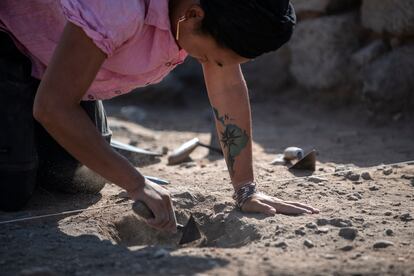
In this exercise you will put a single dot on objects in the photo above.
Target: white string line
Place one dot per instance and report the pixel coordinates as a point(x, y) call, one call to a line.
point(263, 182)
point(62, 213)
point(333, 173)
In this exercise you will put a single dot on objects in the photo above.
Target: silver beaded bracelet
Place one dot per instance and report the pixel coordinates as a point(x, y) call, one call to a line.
point(244, 193)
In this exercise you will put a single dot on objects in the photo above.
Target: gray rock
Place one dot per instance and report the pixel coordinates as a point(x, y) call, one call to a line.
point(354, 196)
point(329, 256)
point(281, 244)
point(387, 171)
point(348, 233)
point(268, 73)
point(316, 179)
point(368, 53)
point(311, 225)
point(308, 243)
point(300, 231)
point(406, 217)
point(388, 82)
point(388, 213)
point(353, 176)
point(338, 222)
point(382, 244)
point(366, 176)
point(373, 188)
point(320, 59)
point(389, 232)
point(322, 221)
point(390, 16)
point(347, 247)
point(407, 176)
point(322, 230)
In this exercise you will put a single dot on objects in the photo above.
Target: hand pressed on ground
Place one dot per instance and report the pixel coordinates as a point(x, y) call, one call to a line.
point(261, 203)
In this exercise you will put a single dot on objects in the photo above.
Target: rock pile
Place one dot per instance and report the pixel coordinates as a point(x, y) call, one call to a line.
point(364, 48)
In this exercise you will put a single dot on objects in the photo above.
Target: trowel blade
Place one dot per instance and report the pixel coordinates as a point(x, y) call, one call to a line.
point(308, 162)
point(190, 232)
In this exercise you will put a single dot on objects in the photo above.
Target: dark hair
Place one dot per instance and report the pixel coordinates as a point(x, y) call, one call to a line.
point(249, 27)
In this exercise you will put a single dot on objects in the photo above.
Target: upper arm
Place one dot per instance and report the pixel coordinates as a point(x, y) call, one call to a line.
point(74, 66)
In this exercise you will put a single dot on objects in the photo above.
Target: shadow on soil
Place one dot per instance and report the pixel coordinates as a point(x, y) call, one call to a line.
point(47, 248)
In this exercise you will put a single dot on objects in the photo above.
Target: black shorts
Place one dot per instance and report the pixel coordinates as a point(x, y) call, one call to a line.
point(28, 154)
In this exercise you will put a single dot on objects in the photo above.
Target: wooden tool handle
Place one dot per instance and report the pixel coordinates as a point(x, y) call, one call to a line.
point(142, 210)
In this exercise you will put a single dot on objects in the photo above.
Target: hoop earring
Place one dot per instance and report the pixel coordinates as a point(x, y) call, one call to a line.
point(181, 19)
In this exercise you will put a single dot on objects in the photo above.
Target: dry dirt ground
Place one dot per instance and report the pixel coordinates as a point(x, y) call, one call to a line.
point(365, 227)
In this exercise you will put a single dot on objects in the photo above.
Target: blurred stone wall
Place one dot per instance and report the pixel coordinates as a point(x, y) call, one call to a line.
point(361, 49)
point(343, 49)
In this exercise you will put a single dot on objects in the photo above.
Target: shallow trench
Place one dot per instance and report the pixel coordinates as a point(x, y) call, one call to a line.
point(218, 231)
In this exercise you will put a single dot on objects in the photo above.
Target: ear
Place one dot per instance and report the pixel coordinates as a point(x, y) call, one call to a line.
point(195, 12)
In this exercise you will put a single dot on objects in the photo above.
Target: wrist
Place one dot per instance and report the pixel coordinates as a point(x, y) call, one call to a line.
point(135, 186)
point(244, 193)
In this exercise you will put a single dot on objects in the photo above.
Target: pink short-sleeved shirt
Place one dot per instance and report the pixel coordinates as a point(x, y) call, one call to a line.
point(134, 34)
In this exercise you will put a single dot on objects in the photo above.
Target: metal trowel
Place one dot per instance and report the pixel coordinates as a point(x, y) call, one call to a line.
point(308, 162)
point(190, 231)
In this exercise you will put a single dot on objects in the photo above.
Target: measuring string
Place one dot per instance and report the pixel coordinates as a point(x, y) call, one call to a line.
point(263, 182)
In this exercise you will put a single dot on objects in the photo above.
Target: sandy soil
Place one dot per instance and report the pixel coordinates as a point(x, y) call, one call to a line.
point(365, 227)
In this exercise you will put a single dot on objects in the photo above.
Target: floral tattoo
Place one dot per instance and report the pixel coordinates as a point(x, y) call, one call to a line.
point(233, 138)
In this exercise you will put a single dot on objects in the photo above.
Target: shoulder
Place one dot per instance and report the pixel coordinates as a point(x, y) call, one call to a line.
point(108, 23)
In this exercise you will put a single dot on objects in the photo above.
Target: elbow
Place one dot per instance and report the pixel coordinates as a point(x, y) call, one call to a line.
point(43, 111)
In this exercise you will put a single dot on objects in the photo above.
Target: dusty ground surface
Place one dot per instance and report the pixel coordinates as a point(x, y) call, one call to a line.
point(356, 216)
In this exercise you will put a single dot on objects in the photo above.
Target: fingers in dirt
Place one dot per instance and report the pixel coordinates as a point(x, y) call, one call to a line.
point(259, 207)
point(291, 209)
point(304, 206)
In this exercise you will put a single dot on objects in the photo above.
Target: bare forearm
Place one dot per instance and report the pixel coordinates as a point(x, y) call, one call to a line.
point(233, 121)
point(73, 129)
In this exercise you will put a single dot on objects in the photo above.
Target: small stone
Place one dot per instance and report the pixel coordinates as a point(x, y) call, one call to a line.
point(353, 176)
point(382, 244)
point(352, 198)
point(348, 233)
point(267, 244)
point(388, 213)
point(407, 176)
point(356, 256)
point(329, 256)
point(300, 232)
point(387, 171)
point(322, 230)
point(164, 150)
point(366, 176)
point(373, 188)
point(322, 222)
point(308, 243)
point(281, 244)
point(161, 253)
point(406, 217)
point(389, 232)
point(347, 248)
point(311, 225)
point(338, 222)
point(316, 179)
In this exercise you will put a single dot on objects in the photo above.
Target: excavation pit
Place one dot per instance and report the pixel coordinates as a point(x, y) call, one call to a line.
point(217, 231)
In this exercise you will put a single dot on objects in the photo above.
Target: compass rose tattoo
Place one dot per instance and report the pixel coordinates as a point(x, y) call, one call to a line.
point(233, 138)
